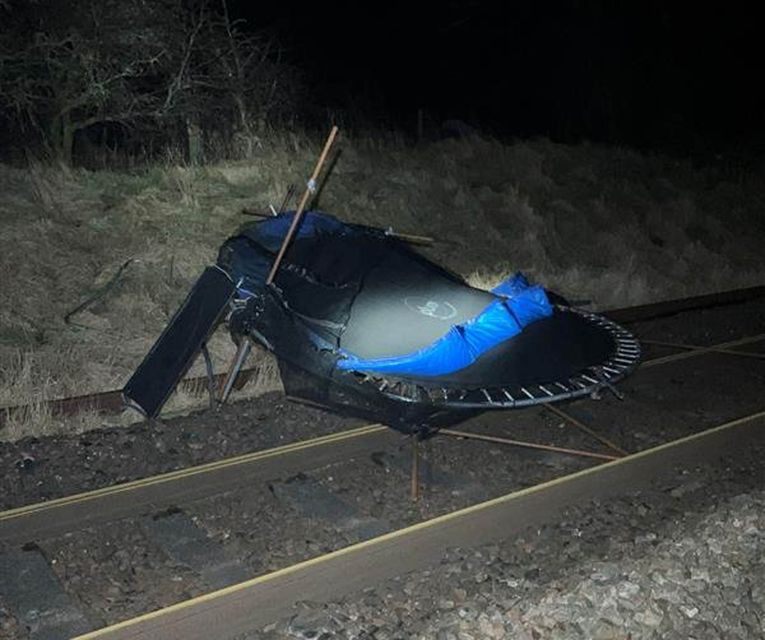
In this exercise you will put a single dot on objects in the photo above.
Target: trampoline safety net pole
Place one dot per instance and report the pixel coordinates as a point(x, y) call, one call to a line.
point(310, 189)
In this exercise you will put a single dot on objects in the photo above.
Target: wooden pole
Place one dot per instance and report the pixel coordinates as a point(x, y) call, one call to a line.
point(310, 189)
point(415, 479)
point(580, 425)
point(713, 349)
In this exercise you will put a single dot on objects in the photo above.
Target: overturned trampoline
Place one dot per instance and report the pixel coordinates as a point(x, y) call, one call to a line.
point(363, 324)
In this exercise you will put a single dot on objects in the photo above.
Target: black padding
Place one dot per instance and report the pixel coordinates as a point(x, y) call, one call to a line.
point(180, 342)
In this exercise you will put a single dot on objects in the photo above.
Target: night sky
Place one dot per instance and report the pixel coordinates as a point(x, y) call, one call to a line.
point(649, 74)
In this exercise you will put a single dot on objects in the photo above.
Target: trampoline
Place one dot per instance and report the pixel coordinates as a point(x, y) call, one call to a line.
point(363, 324)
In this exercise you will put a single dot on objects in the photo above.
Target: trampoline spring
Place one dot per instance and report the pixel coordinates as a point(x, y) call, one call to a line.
point(592, 380)
point(610, 369)
point(628, 350)
point(562, 386)
point(488, 396)
point(623, 360)
point(547, 391)
point(530, 395)
point(508, 396)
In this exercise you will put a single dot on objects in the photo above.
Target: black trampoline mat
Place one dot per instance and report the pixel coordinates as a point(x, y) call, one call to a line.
point(403, 306)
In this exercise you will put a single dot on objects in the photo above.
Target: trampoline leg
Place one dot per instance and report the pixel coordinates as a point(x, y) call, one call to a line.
point(236, 366)
point(415, 488)
point(210, 374)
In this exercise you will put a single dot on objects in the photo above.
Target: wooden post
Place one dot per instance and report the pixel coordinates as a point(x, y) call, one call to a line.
point(310, 188)
point(415, 479)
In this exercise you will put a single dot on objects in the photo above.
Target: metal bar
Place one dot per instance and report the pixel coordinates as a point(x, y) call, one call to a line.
point(242, 351)
point(287, 198)
point(528, 445)
point(580, 425)
point(210, 374)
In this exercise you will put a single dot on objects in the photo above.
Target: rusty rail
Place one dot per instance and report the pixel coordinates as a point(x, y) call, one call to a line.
point(110, 402)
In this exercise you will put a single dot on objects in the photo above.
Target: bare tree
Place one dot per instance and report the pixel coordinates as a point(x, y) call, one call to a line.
point(65, 67)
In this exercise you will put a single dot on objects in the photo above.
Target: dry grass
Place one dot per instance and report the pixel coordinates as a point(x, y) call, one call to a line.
point(602, 224)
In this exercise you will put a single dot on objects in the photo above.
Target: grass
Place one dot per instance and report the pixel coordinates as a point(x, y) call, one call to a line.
point(595, 223)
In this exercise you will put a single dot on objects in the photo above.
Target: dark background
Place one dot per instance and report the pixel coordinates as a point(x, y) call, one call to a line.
point(656, 75)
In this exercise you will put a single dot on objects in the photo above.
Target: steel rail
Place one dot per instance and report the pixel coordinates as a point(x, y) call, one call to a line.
point(60, 515)
point(111, 401)
point(684, 355)
point(249, 605)
point(57, 516)
point(665, 308)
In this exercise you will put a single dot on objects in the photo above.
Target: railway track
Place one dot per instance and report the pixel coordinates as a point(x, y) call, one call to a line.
point(249, 603)
point(57, 516)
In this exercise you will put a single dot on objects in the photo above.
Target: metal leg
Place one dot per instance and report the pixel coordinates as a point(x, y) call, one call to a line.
point(236, 365)
point(210, 374)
